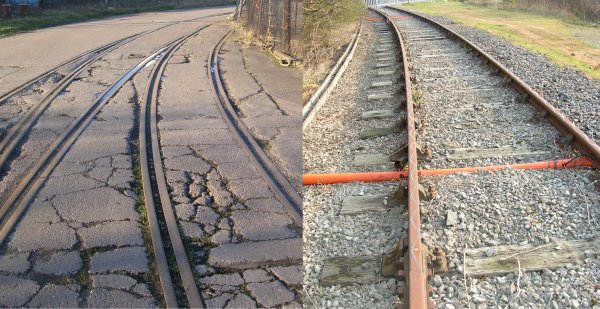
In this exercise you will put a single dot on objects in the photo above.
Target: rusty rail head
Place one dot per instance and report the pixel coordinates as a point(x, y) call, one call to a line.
point(582, 142)
point(416, 278)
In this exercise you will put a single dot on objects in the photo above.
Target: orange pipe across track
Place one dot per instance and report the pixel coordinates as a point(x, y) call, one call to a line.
point(328, 179)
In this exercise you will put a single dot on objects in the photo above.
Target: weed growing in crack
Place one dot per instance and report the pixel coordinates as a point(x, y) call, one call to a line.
point(417, 97)
point(151, 278)
point(264, 144)
point(84, 273)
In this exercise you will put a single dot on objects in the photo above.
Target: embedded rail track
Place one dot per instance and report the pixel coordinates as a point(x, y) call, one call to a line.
point(178, 283)
point(269, 172)
point(15, 135)
point(472, 118)
point(77, 63)
point(156, 193)
point(19, 199)
point(16, 203)
point(155, 187)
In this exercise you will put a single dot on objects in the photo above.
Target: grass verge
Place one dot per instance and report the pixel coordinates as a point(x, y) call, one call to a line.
point(567, 44)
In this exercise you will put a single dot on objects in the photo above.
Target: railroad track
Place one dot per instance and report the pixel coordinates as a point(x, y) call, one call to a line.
point(156, 190)
point(54, 71)
point(56, 81)
point(17, 134)
point(269, 172)
point(26, 190)
point(59, 79)
point(506, 130)
point(166, 219)
point(78, 62)
point(470, 114)
point(345, 233)
point(18, 199)
point(178, 254)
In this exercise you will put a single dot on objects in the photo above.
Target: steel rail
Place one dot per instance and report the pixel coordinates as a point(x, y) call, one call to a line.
point(278, 184)
point(19, 131)
point(83, 55)
point(32, 182)
point(153, 176)
point(416, 278)
point(47, 74)
point(582, 141)
point(320, 96)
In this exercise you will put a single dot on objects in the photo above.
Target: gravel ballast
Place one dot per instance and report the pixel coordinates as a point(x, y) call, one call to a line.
point(327, 234)
point(496, 208)
point(569, 90)
point(330, 144)
point(332, 140)
point(509, 207)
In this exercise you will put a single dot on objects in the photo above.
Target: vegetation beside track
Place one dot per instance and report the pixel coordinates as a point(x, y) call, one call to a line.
point(328, 29)
point(570, 44)
point(38, 19)
point(572, 10)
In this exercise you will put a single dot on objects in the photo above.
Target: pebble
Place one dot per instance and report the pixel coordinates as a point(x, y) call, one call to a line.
point(437, 281)
point(451, 218)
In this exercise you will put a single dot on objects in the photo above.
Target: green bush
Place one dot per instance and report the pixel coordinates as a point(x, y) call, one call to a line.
point(321, 17)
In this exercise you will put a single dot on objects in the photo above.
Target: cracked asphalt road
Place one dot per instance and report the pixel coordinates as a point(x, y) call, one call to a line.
point(267, 101)
point(83, 240)
point(247, 250)
point(27, 55)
